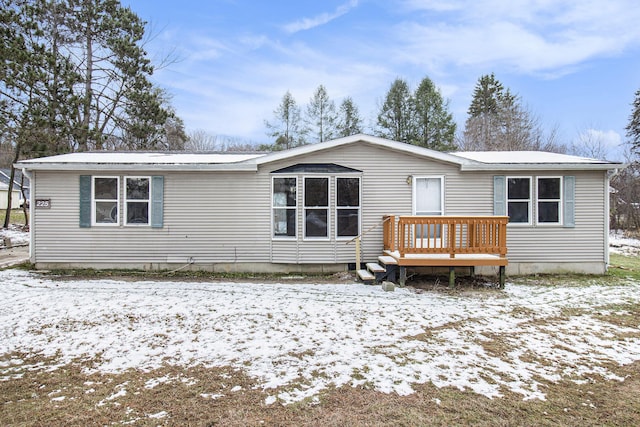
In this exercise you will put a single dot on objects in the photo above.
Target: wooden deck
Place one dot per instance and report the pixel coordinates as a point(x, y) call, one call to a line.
point(446, 241)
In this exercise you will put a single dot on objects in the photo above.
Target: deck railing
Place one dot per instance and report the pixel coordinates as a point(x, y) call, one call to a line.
point(446, 235)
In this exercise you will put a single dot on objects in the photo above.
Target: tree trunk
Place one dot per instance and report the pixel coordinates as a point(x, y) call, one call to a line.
point(16, 156)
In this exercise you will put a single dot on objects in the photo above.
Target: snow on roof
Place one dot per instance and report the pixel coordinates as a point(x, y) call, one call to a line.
point(154, 160)
point(137, 157)
point(523, 157)
point(466, 160)
point(530, 160)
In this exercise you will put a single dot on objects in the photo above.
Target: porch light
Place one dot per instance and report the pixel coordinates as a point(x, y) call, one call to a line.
point(409, 179)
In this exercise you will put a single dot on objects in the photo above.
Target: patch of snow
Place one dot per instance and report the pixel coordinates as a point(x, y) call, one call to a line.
point(152, 383)
point(161, 414)
point(16, 233)
point(620, 244)
point(211, 395)
point(120, 393)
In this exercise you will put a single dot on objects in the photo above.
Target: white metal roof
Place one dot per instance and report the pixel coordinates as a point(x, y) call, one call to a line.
point(528, 160)
point(106, 160)
point(467, 161)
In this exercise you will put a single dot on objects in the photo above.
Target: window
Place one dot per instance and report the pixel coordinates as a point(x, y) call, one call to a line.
point(137, 198)
point(549, 200)
point(347, 207)
point(284, 205)
point(105, 200)
point(316, 207)
point(519, 200)
point(100, 204)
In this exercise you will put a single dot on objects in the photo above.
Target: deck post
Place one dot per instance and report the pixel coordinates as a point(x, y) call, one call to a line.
point(358, 262)
point(502, 276)
point(452, 277)
point(403, 275)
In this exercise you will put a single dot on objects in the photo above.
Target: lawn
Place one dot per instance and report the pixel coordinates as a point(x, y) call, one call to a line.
point(192, 352)
point(17, 216)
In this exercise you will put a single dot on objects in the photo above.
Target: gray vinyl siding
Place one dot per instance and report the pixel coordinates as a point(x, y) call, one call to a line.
point(225, 217)
point(384, 190)
point(554, 243)
point(211, 217)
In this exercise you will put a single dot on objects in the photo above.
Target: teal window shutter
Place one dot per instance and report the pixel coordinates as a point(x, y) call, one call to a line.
point(85, 201)
point(157, 201)
point(569, 201)
point(499, 195)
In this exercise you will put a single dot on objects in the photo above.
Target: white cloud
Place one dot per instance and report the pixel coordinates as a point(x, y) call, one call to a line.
point(528, 36)
point(316, 21)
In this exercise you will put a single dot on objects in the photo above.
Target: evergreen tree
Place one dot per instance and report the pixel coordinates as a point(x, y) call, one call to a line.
point(116, 94)
point(286, 127)
point(633, 127)
point(395, 119)
point(89, 74)
point(321, 116)
point(497, 120)
point(434, 124)
point(349, 120)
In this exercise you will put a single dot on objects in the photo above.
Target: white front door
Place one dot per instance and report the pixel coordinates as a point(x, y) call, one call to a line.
point(428, 200)
point(428, 195)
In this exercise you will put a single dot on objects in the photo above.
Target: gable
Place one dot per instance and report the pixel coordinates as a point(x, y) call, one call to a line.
point(328, 168)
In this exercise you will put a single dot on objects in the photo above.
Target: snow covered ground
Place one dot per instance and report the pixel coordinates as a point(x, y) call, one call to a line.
point(298, 339)
point(620, 244)
point(16, 234)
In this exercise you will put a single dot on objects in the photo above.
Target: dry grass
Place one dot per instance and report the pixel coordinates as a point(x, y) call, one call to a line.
point(17, 216)
point(33, 394)
point(224, 397)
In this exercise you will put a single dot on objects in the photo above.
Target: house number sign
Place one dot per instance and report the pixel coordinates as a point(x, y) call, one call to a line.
point(43, 203)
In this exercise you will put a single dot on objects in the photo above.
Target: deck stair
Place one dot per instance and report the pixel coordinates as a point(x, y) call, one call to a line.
point(377, 272)
point(366, 277)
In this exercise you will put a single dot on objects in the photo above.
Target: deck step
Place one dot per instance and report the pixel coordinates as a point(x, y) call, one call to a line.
point(375, 268)
point(366, 276)
point(387, 260)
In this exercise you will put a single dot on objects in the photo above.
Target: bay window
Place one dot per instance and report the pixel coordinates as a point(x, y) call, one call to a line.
point(284, 205)
point(316, 207)
point(347, 207)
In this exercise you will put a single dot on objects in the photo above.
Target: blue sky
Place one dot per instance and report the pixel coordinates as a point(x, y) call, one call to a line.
point(575, 63)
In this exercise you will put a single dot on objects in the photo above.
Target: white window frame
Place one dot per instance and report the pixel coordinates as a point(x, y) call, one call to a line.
point(305, 208)
point(558, 201)
point(337, 208)
point(94, 202)
point(530, 201)
point(294, 208)
point(126, 202)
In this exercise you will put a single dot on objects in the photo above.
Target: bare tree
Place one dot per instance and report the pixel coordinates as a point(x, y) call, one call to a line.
point(201, 141)
point(589, 143)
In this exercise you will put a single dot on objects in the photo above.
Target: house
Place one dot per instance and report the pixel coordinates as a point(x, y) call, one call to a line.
point(16, 193)
point(301, 210)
